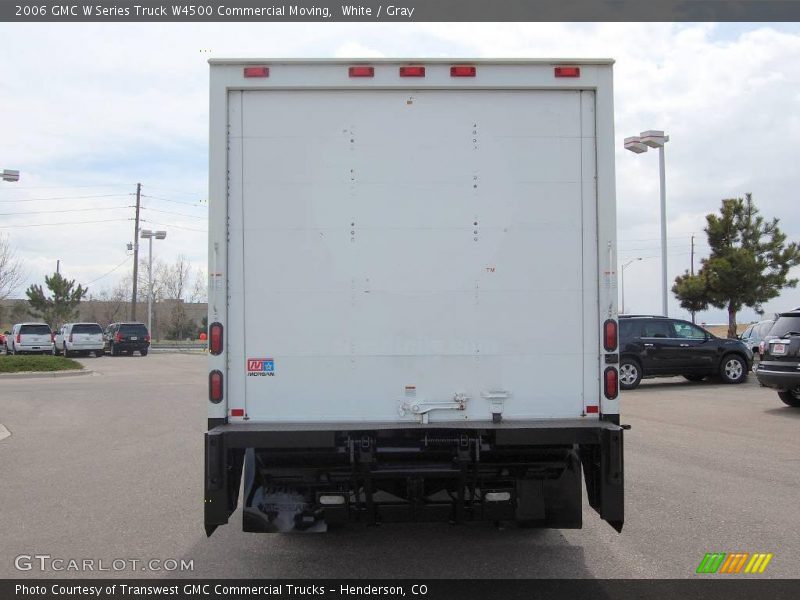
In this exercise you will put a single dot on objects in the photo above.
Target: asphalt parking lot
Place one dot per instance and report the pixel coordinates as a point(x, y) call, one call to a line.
point(110, 465)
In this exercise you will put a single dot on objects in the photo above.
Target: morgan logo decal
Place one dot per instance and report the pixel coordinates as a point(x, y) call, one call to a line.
point(260, 367)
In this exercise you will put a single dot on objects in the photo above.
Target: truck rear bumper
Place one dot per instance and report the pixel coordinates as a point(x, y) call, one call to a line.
point(306, 477)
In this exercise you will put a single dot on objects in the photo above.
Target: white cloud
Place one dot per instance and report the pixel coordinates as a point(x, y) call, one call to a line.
point(116, 104)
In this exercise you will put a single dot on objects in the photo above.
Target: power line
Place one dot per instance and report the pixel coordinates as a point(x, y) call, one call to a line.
point(60, 223)
point(66, 198)
point(198, 204)
point(127, 258)
point(168, 212)
point(170, 225)
point(63, 210)
point(152, 187)
point(68, 187)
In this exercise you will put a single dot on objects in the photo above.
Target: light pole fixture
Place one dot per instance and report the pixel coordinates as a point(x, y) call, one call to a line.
point(149, 235)
point(655, 138)
point(9, 175)
point(622, 280)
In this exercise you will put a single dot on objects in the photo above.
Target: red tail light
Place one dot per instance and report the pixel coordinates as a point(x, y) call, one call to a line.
point(70, 337)
point(610, 335)
point(147, 338)
point(215, 338)
point(568, 71)
point(462, 71)
point(19, 338)
point(611, 380)
point(215, 386)
point(256, 71)
point(412, 71)
point(361, 71)
point(118, 337)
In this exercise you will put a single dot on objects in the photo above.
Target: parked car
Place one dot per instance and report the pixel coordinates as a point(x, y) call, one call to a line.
point(29, 338)
point(3, 340)
point(79, 338)
point(755, 333)
point(127, 338)
point(780, 363)
point(653, 346)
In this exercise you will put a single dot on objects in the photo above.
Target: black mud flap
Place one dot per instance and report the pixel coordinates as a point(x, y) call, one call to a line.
point(223, 472)
point(605, 482)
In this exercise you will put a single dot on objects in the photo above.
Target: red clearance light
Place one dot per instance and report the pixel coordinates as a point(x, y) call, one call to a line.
point(610, 335)
point(568, 71)
point(462, 71)
point(256, 71)
point(412, 71)
point(361, 71)
point(592, 409)
point(611, 379)
point(237, 412)
point(215, 386)
point(215, 338)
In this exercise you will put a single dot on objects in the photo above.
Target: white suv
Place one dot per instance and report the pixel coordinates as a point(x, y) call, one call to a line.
point(29, 338)
point(76, 338)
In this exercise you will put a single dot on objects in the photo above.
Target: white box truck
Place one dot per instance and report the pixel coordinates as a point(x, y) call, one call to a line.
point(412, 297)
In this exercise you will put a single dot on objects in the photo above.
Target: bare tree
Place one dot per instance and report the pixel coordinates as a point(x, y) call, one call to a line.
point(11, 274)
point(115, 303)
point(174, 280)
point(173, 286)
point(200, 287)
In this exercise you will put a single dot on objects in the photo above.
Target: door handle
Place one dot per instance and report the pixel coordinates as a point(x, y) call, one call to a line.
point(649, 345)
point(684, 345)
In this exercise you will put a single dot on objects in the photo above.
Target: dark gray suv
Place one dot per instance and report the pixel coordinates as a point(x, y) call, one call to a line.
point(780, 362)
point(653, 346)
point(126, 338)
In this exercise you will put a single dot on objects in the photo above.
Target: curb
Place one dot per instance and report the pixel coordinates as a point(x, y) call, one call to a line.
point(46, 374)
point(4, 433)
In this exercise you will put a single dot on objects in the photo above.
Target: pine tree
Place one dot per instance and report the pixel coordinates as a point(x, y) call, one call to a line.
point(62, 305)
point(748, 265)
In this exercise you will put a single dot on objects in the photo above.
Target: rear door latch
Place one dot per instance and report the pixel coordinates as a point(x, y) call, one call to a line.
point(421, 408)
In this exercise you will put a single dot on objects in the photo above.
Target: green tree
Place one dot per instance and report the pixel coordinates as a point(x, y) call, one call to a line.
point(692, 292)
point(748, 265)
point(62, 305)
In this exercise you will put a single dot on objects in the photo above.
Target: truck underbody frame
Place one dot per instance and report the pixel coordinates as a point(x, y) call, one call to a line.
point(301, 479)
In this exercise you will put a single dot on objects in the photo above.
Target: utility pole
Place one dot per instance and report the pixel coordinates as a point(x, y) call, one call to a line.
point(136, 252)
point(58, 267)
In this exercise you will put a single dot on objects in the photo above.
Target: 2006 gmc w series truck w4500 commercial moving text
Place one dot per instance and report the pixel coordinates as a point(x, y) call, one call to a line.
point(412, 297)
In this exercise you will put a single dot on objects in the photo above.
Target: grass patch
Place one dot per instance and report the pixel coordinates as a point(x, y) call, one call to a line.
point(23, 364)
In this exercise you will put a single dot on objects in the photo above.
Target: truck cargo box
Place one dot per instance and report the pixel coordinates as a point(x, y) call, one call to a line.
point(399, 248)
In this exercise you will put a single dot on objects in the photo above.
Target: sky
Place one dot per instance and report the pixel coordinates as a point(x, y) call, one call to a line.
point(89, 110)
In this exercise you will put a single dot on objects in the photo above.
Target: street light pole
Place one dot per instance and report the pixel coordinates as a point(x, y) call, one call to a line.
point(663, 186)
point(150, 286)
point(638, 144)
point(622, 280)
point(149, 235)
